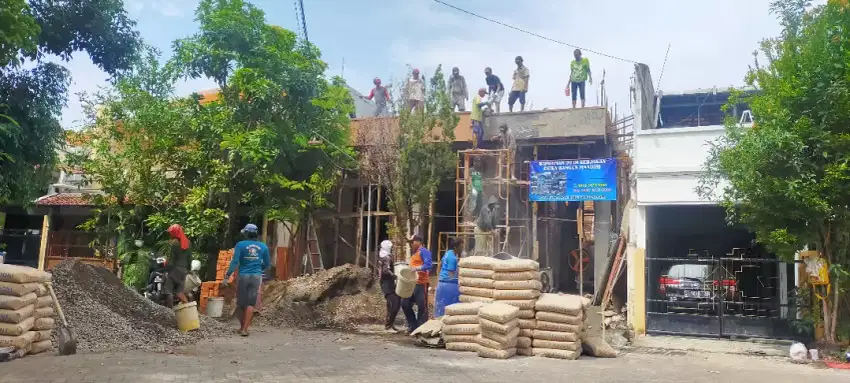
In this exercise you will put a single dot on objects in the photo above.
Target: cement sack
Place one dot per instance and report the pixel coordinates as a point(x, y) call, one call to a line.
point(16, 329)
point(553, 353)
point(516, 276)
point(477, 262)
point(22, 274)
point(475, 291)
point(515, 294)
point(39, 347)
point(19, 341)
point(485, 352)
point(13, 303)
point(523, 342)
point(42, 290)
point(462, 346)
point(42, 335)
point(45, 301)
point(517, 285)
point(16, 316)
point(561, 327)
point(476, 273)
point(464, 308)
point(559, 318)
point(525, 314)
point(473, 299)
point(522, 304)
point(495, 345)
point(515, 264)
point(44, 324)
point(561, 304)
point(501, 328)
point(461, 329)
point(551, 344)
point(17, 289)
point(498, 312)
point(524, 351)
point(459, 338)
point(598, 347)
point(484, 283)
point(501, 338)
point(44, 312)
point(526, 332)
point(530, 324)
point(460, 319)
point(555, 336)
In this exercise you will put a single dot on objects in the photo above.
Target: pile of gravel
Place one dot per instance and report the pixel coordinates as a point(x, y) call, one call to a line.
point(108, 316)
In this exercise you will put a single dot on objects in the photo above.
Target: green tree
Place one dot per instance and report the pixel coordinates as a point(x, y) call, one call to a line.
point(204, 162)
point(32, 97)
point(788, 177)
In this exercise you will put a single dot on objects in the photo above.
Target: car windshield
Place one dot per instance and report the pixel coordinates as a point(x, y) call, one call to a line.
point(700, 272)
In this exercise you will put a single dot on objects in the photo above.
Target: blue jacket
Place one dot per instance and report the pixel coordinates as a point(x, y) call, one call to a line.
point(251, 257)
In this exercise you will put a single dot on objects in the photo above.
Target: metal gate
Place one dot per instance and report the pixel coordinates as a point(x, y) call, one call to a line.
point(741, 294)
point(21, 246)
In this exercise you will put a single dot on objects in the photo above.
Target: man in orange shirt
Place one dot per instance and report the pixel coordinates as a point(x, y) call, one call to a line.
point(421, 262)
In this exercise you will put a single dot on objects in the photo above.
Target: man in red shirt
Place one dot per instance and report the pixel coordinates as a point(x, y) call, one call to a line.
point(421, 262)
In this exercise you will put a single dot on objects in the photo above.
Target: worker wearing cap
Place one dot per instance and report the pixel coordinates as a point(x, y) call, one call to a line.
point(251, 257)
point(420, 261)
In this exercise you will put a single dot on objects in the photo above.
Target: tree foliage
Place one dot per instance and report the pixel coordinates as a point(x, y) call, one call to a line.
point(244, 151)
point(32, 96)
point(788, 178)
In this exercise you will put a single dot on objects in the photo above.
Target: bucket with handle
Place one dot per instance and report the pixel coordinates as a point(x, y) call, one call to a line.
point(406, 281)
point(215, 307)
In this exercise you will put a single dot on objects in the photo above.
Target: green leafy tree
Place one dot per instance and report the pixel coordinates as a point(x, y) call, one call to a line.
point(32, 97)
point(788, 177)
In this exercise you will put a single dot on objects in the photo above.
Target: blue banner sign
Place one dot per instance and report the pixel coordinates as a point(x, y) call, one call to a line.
point(573, 180)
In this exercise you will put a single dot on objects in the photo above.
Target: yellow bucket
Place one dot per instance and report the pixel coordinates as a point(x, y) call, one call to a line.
point(187, 316)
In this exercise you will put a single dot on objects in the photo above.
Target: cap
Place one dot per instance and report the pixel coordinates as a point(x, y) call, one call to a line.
point(250, 228)
point(414, 238)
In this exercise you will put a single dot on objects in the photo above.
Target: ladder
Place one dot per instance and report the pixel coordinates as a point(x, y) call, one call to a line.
point(313, 255)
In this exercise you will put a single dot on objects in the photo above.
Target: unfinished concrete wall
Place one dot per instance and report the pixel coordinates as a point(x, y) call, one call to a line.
point(559, 123)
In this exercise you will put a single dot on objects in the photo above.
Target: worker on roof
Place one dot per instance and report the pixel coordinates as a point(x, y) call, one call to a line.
point(415, 92)
point(496, 91)
point(476, 118)
point(421, 262)
point(251, 257)
point(177, 266)
point(520, 85)
point(386, 274)
point(579, 74)
point(447, 288)
point(381, 96)
point(457, 90)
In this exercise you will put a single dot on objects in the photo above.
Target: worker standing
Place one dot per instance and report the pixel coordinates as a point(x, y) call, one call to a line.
point(457, 90)
point(178, 266)
point(495, 88)
point(421, 262)
point(579, 73)
point(477, 117)
point(387, 278)
point(415, 92)
point(447, 288)
point(251, 257)
point(520, 85)
point(381, 96)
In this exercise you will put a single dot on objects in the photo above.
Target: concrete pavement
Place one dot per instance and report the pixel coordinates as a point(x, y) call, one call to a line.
point(285, 355)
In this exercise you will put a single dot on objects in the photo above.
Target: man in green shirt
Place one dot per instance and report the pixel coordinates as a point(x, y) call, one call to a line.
point(579, 74)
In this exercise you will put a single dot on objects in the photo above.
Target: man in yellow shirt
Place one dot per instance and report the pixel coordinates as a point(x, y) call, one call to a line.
point(579, 74)
point(520, 86)
point(477, 117)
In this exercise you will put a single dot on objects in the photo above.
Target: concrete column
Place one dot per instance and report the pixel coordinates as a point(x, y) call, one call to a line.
point(602, 240)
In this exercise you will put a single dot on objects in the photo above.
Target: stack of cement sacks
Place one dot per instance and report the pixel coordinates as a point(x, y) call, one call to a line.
point(499, 331)
point(460, 326)
point(23, 330)
point(476, 279)
point(560, 325)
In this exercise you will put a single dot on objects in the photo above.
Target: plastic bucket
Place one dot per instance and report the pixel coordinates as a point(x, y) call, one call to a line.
point(215, 307)
point(187, 316)
point(406, 282)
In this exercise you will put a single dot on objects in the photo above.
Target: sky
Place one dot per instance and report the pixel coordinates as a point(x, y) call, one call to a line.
point(710, 42)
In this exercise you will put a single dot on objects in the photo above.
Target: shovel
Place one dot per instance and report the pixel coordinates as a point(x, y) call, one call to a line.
point(66, 338)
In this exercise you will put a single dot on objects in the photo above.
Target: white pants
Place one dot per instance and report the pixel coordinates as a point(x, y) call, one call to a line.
point(496, 99)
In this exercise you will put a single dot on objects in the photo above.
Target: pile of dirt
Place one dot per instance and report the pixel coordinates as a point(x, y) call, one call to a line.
point(342, 297)
point(108, 316)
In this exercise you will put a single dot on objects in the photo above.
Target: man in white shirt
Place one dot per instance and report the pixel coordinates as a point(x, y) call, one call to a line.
point(415, 90)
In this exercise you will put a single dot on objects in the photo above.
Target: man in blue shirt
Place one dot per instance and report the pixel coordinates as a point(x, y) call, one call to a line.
point(447, 288)
point(251, 257)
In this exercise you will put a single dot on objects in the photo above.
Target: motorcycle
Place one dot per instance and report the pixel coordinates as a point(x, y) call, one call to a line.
point(156, 283)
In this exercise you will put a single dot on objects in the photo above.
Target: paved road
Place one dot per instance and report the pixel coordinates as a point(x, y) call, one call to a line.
point(274, 355)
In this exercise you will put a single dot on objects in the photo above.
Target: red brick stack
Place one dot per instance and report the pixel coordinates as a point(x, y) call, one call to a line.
point(211, 289)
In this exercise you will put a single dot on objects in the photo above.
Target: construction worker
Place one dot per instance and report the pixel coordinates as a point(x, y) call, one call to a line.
point(477, 117)
point(177, 266)
point(447, 288)
point(381, 96)
point(251, 257)
point(520, 85)
point(457, 90)
point(579, 73)
point(421, 262)
point(495, 88)
point(386, 275)
point(415, 92)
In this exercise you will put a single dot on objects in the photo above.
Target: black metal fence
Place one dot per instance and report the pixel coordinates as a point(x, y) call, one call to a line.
point(21, 246)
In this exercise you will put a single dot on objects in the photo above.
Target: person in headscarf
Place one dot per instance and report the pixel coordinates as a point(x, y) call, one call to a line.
point(251, 257)
point(447, 288)
point(178, 266)
point(387, 277)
